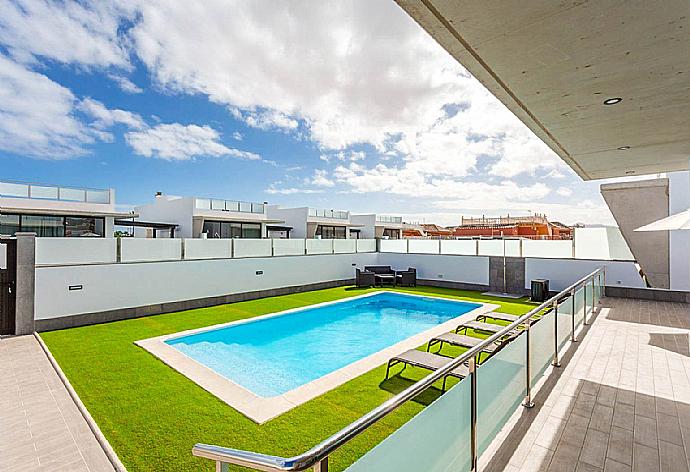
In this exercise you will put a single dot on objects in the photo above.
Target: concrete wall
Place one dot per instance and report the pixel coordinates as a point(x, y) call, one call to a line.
point(634, 204)
point(679, 241)
point(471, 270)
point(122, 286)
point(76, 251)
point(294, 217)
point(167, 209)
point(562, 273)
point(368, 229)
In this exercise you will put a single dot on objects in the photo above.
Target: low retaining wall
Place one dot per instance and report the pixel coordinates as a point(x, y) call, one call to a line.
point(84, 319)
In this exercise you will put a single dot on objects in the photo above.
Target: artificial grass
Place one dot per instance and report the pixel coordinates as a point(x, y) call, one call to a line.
point(152, 415)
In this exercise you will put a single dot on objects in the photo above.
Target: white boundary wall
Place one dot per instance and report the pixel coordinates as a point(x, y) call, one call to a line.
point(319, 246)
point(252, 247)
point(554, 249)
point(393, 245)
point(288, 247)
point(496, 247)
point(464, 269)
point(424, 246)
point(562, 273)
point(115, 286)
point(75, 250)
point(207, 248)
point(138, 250)
point(366, 245)
point(344, 246)
point(466, 247)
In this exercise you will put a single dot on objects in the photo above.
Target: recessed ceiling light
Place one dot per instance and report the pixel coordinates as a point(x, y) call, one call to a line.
point(624, 148)
point(613, 101)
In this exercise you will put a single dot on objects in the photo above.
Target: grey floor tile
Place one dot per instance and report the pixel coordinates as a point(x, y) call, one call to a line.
point(645, 459)
point(645, 431)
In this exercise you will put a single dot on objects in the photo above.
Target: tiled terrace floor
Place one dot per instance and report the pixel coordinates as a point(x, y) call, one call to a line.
point(620, 401)
point(40, 426)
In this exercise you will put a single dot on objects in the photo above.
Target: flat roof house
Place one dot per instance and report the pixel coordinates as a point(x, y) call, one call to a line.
point(311, 223)
point(214, 218)
point(378, 226)
point(57, 211)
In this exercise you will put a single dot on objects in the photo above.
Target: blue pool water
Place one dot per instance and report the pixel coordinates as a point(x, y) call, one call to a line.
point(274, 355)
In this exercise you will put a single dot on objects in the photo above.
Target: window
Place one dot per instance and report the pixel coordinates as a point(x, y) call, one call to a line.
point(46, 226)
point(231, 229)
point(76, 227)
point(9, 224)
point(331, 232)
point(251, 230)
point(391, 233)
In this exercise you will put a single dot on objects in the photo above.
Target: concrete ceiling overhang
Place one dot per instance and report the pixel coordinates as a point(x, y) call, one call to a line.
point(554, 62)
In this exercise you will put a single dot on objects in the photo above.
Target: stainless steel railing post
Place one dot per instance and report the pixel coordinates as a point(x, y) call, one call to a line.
point(473, 411)
point(584, 305)
point(322, 465)
point(556, 362)
point(572, 331)
point(528, 403)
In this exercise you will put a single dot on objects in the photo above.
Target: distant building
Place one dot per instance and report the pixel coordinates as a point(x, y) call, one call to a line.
point(532, 227)
point(436, 232)
point(57, 211)
point(195, 217)
point(377, 226)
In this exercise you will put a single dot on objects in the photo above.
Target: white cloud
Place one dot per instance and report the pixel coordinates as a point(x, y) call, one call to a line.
point(67, 32)
point(320, 179)
point(125, 84)
point(237, 136)
point(266, 119)
point(290, 190)
point(344, 75)
point(177, 142)
point(37, 115)
point(564, 191)
point(105, 118)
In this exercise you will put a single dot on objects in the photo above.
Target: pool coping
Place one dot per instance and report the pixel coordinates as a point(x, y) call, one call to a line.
point(262, 409)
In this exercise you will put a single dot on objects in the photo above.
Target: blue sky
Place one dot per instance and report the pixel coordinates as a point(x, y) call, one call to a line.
point(344, 104)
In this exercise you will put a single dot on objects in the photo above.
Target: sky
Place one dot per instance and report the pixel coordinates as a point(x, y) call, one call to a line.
point(330, 104)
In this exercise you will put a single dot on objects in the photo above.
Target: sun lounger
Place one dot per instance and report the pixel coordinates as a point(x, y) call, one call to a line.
point(429, 361)
point(461, 340)
point(495, 315)
point(482, 327)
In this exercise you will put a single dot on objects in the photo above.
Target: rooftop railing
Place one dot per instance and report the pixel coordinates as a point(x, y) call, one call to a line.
point(53, 192)
point(453, 432)
point(389, 219)
point(230, 205)
point(334, 214)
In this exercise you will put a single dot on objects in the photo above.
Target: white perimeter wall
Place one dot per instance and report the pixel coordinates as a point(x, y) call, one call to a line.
point(679, 249)
point(75, 250)
point(115, 286)
point(563, 273)
point(465, 269)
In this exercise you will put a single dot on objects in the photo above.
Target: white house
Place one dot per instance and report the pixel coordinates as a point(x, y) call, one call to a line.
point(57, 211)
point(378, 226)
point(206, 217)
point(310, 223)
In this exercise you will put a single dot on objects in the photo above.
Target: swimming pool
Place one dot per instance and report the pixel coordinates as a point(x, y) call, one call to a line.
point(274, 355)
point(267, 365)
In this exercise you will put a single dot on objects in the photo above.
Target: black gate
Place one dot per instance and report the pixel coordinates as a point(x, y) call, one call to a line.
point(8, 279)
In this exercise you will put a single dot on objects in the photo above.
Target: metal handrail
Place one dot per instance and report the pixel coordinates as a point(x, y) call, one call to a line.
point(319, 453)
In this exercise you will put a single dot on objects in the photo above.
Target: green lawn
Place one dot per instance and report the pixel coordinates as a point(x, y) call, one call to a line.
point(153, 416)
